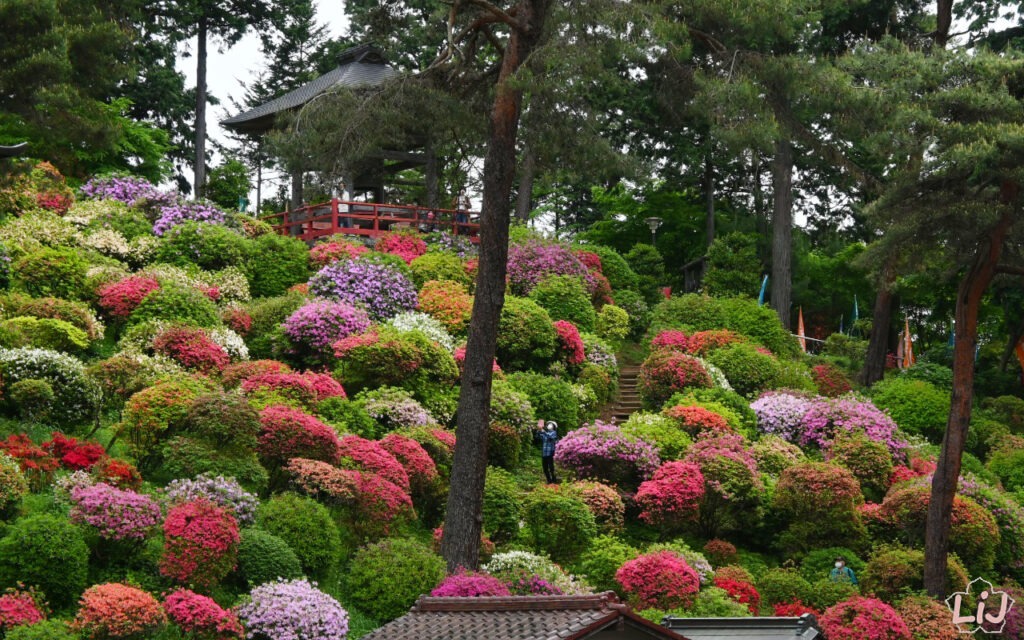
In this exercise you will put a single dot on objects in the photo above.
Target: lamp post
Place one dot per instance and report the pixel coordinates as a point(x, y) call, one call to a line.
point(653, 222)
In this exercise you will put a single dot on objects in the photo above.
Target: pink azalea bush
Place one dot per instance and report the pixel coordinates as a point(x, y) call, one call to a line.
point(660, 580)
point(380, 289)
point(202, 617)
point(604, 502)
point(664, 373)
point(293, 609)
point(200, 544)
point(672, 496)
point(470, 584)
point(119, 299)
point(19, 608)
point(605, 453)
point(287, 433)
point(419, 466)
point(191, 348)
point(116, 514)
point(406, 246)
point(370, 456)
point(569, 342)
point(329, 252)
point(781, 413)
point(860, 618)
point(116, 610)
point(826, 418)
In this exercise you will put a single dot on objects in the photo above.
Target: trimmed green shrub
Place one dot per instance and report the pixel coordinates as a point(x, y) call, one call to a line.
point(44, 333)
point(602, 559)
point(937, 375)
point(439, 266)
point(551, 398)
point(223, 419)
point(637, 308)
point(267, 315)
point(612, 323)
point(1008, 464)
point(818, 564)
point(614, 267)
point(179, 305)
point(600, 380)
point(152, 412)
point(45, 630)
point(501, 508)
point(694, 312)
point(504, 445)
point(263, 557)
point(782, 585)
point(870, 462)
point(565, 298)
point(276, 263)
point(77, 313)
point(1008, 409)
point(825, 593)
point(749, 371)
point(406, 359)
point(893, 571)
point(187, 457)
point(558, 523)
point(511, 407)
point(209, 246)
point(33, 398)
point(985, 434)
point(47, 552)
point(526, 335)
point(348, 416)
point(385, 578)
point(60, 273)
point(733, 268)
point(646, 261)
point(306, 526)
point(919, 407)
point(671, 441)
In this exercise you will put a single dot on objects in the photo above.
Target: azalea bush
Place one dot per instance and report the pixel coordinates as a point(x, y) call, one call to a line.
point(115, 514)
point(670, 441)
point(832, 516)
point(406, 245)
point(290, 609)
point(467, 584)
point(192, 349)
point(80, 395)
point(317, 325)
point(603, 452)
point(672, 496)
point(174, 214)
point(287, 433)
point(566, 298)
point(226, 493)
point(869, 461)
point(202, 617)
point(330, 252)
point(19, 608)
point(825, 419)
point(531, 262)
point(666, 372)
point(308, 529)
point(558, 522)
point(115, 610)
point(448, 302)
point(570, 345)
point(118, 299)
point(863, 619)
point(731, 480)
point(380, 289)
point(200, 544)
point(510, 566)
point(694, 419)
point(388, 357)
point(385, 578)
point(605, 503)
point(661, 580)
point(527, 338)
point(416, 321)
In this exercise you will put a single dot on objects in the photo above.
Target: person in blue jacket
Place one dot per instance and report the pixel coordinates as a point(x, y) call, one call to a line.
point(548, 437)
point(841, 572)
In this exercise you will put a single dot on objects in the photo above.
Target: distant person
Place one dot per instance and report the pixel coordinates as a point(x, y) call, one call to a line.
point(430, 223)
point(548, 436)
point(842, 573)
point(343, 196)
point(462, 206)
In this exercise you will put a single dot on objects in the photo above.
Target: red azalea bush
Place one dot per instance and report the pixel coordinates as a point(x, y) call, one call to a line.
point(192, 349)
point(19, 608)
point(202, 617)
point(237, 319)
point(834, 489)
point(720, 552)
point(418, 464)
point(693, 419)
point(794, 609)
point(448, 302)
point(830, 380)
point(287, 433)
point(371, 457)
point(666, 372)
point(119, 299)
point(569, 342)
point(294, 388)
point(672, 496)
point(469, 584)
point(705, 341)
point(324, 386)
point(660, 580)
point(117, 473)
point(116, 610)
point(590, 260)
point(672, 340)
point(742, 592)
point(200, 544)
point(605, 503)
point(406, 246)
point(861, 618)
point(36, 463)
point(324, 254)
point(870, 462)
point(72, 453)
point(235, 373)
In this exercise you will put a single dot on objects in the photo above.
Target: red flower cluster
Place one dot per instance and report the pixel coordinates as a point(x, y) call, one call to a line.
point(590, 260)
point(404, 245)
point(698, 344)
point(324, 386)
point(234, 374)
point(861, 618)
point(288, 433)
point(672, 340)
point(742, 592)
point(370, 456)
point(460, 360)
point(672, 496)
point(570, 343)
point(349, 343)
point(36, 463)
point(237, 319)
point(694, 419)
point(832, 486)
point(469, 584)
point(661, 580)
point(666, 372)
point(324, 254)
point(56, 202)
point(213, 293)
point(200, 543)
point(116, 610)
point(794, 609)
point(604, 502)
point(192, 348)
point(72, 453)
point(117, 473)
point(120, 298)
point(418, 464)
point(18, 608)
point(830, 380)
point(446, 437)
point(293, 386)
point(202, 616)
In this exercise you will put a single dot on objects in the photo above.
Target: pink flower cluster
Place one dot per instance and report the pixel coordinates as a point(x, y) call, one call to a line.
point(569, 342)
point(200, 543)
point(666, 372)
point(324, 254)
point(120, 298)
point(604, 502)
point(697, 344)
point(192, 348)
point(418, 464)
point(673, 495)
point(469, 584)
point(860, 618)
point(18, 608)
point(116, 514)
point(288, 433)
point(531, 262)
point(240, 371)
point(202, 617)
point(695, 419)
point(116, 610)
point(604, 452)
point(307, 388)
point(827, 417)
point(660, 580)
point(371, 457)
point(406, 246)
point(728, 465)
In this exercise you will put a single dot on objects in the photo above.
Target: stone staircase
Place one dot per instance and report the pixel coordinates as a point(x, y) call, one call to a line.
point(628, 400)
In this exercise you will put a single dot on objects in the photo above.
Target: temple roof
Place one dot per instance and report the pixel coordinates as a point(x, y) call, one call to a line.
point(362, 66)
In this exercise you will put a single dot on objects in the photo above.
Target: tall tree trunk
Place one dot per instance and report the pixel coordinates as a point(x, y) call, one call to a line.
point(944, 483)
point(431, 176)
point(881, 318)
point(199, 179)
point(709, 198)
point(296, 199)
point(782, 230)
point(524, 197)
point(460, 544)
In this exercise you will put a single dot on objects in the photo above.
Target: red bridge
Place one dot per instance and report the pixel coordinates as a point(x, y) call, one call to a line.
point(370, 219)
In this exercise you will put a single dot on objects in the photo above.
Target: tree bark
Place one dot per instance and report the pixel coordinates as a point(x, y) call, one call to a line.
point(460, 543)
point(709, 199)
point(524, 197)
point(944, 483)
point(431, 176)
point(782, 230)
point(881, 318)
point(199, 178)
point(1015, 336)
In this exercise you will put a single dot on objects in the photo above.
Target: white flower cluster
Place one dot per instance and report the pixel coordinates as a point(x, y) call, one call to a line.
point(82, 212)
point(585, 398)
point(646, 419)
point(34, 229)
point(106, 241)
point(511, 563)
point(230, 342)
point(717, 375)
point(230, 281)
point(79, 396)
point(142, 248)
point(428, 325)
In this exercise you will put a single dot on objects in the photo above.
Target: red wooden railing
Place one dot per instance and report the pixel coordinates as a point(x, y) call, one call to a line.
point(369, 219)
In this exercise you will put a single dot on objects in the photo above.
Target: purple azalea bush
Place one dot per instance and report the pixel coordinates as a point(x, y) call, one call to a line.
point(781, 413)
point(382, 290)
point(127, 189)
point(221, 491)
point(293, 609)
point(531, 262)
point(181, 212)
point(116, 514)
point(319, 324)
point(604, 452)
point(395, 408)
point(826, 417)
point(447, 243)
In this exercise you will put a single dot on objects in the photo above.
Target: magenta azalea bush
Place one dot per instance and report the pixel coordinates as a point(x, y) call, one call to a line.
point(603, 452)
point(828, 416)
point(380, 289)
point(319, 324)
point(863, 619)
point(116, 514)
point(531, 262)
point(469, 584)
point(293, 609)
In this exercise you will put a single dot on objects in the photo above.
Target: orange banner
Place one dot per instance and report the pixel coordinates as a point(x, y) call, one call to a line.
point(800, 330)
point(908, 345)
point(1020, 352)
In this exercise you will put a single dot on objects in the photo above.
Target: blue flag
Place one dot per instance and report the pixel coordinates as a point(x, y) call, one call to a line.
point(856, 315)
point(760, 296)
